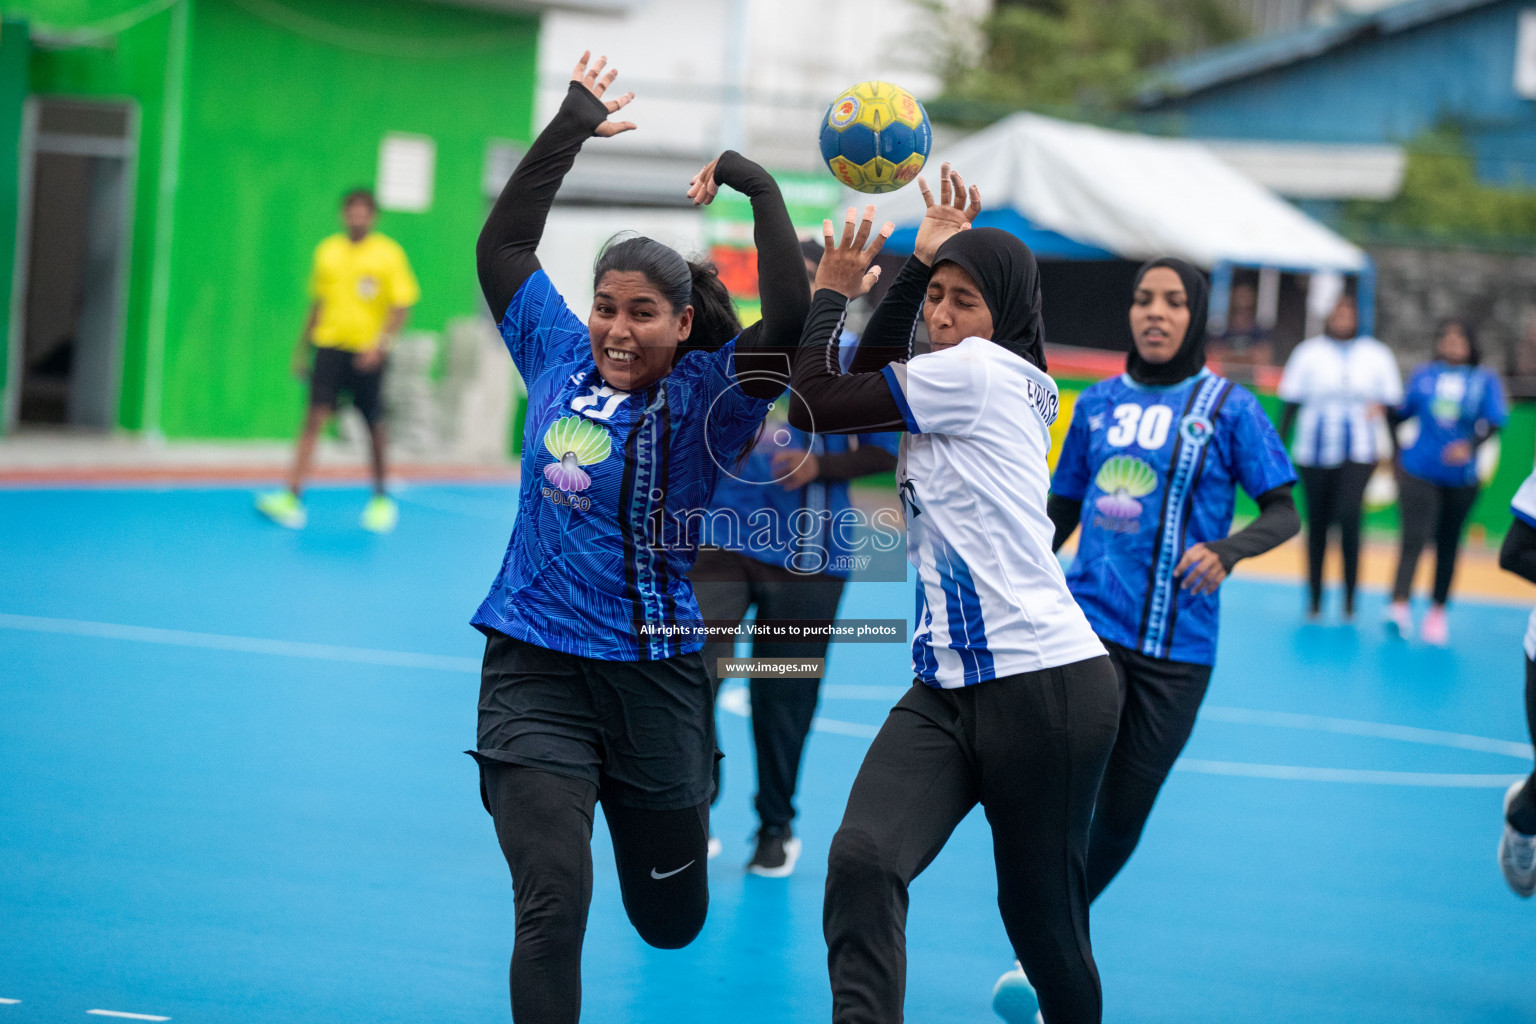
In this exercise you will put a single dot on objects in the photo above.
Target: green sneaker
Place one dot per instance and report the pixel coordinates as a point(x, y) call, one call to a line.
point(381, 514)
point(283, 508)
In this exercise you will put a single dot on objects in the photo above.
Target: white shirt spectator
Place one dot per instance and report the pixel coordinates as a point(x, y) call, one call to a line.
point(1341, 387)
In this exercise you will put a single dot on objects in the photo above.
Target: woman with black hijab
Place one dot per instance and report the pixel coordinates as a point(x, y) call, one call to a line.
point(1014, 705)
point(1149, 470)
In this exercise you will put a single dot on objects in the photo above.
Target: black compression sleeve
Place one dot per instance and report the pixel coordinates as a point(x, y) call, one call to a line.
point(862, 461)
point(1277, 523)
point(1518, 555)
point(888, 336)
point(1288, 413)
point(504, 255)
point(1065, 514)
point(765, 350)
point(825, 401)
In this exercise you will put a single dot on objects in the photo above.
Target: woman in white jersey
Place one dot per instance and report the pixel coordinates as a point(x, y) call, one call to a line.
point(1336, 387)
point(1015, 705)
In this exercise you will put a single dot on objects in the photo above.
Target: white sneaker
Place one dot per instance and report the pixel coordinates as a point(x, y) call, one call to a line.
point(1517, 852)
point(1014, 999)
point(776, 853)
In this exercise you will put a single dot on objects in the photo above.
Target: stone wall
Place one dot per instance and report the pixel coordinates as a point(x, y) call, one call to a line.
point(1418, 287)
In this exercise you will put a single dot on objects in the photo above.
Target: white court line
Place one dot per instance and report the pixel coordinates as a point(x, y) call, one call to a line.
point(1296, 773)
point(9, 1002)
point(1378, 730)
point(734, 700)
point(242, 644)
point(122, 1013)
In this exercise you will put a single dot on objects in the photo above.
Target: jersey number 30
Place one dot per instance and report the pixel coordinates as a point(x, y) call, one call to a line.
point(1147, 426)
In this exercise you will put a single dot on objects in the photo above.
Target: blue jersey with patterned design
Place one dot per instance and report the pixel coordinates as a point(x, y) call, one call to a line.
point(613, 484)
point(1448, 403)
point(1155, 469)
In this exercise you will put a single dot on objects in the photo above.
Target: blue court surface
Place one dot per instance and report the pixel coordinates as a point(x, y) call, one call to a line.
point(232, 789)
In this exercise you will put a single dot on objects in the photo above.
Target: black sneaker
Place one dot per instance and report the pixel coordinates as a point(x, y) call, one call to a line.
point(777, 851)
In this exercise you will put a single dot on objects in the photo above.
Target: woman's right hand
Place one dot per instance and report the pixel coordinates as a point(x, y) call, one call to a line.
point(845, 266)
point(590, 80)
point(946, 218)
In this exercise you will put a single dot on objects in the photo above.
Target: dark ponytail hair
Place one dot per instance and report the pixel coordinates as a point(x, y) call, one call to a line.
point(682, 282)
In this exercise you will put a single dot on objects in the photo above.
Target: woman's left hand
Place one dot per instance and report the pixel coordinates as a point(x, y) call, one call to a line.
point(1457, 453)
point(597, 83)
point(845, 266)
point(703, 187)
point(1202, 570)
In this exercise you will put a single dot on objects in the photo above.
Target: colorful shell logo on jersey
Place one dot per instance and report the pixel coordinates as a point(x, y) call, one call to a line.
point(1123, 479)
point(875, 137)
point(574, 442)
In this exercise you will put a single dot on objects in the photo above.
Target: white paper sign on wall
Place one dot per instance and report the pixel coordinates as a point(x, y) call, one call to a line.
point(407, 170)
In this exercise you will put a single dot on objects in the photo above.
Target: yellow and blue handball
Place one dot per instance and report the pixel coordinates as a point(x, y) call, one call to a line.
point(875, 137)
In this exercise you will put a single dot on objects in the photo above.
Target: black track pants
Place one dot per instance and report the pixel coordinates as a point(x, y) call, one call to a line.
point(1159, 700)
point(544, 826)
point(1335, 496)
point(727, 584)
point(1430, 510)
point(1031, 750)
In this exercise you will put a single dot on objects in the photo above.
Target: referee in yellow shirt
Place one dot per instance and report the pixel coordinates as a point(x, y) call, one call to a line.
point(363, 289)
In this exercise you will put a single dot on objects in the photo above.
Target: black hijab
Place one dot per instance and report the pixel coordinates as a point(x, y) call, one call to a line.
point(1005, 271)
point(1190, 357)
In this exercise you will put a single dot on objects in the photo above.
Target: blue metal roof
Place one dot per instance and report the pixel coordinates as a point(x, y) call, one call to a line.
point(1266, 53)
point(1044, 243)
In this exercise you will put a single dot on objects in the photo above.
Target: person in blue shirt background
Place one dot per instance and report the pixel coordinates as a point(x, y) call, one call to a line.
point(779, 531)
point(796, 485)
point(1456, 404)
point(1149, 470)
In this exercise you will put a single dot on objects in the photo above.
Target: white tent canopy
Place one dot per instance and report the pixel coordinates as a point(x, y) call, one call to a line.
point(1138, 196)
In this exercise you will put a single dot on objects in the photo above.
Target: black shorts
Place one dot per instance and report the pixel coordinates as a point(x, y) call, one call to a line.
point(335, 373)
point(642, 732)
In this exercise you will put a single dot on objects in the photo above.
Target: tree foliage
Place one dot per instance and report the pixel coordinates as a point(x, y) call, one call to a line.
point(1441, 199)
point(1087, 56)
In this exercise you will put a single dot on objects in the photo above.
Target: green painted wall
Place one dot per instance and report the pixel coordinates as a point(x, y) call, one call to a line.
point(266, 157)
point(129, 65)
point(15, 53)
point(284, 106)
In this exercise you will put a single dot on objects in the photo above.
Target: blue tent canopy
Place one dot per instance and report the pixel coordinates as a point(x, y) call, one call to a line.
point(1044, 243)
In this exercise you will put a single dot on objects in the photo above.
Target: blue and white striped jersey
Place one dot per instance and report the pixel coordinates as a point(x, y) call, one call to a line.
point(992, 600)
point(1156, 470)
point(612, 483)
point(1342, 387)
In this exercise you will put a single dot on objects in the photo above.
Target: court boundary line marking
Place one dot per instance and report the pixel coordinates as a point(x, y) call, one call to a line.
point(125, 1013)
point(9, 1002)
point(238, 644)
point(734, 699)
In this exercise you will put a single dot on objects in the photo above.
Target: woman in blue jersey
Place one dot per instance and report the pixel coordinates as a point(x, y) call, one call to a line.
point(1014, 705)
point(1149, 470)
point(1456, 405)
point(592, 687)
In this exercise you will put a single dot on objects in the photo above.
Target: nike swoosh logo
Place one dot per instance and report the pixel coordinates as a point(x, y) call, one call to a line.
point(659, 876)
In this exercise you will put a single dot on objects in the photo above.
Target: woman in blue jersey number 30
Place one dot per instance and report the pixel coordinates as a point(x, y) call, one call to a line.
point(1014, 705)
point(1149, 470)
point(593, 688)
